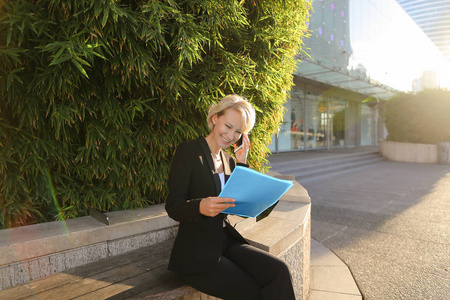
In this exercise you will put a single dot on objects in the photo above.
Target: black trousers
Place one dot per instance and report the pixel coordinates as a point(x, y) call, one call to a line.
point(245, 272)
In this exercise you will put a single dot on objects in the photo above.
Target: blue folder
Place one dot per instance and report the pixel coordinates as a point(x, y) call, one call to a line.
point(254, 192)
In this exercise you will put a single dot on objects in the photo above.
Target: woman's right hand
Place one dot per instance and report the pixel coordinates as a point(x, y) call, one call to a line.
point(241, 154)
point(212, 206)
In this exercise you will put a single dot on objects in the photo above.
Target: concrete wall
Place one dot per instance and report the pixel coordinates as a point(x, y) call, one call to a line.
point(409, 152)
point(34, 251)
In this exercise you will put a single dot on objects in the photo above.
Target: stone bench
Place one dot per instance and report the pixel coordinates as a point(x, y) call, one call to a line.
point(128, 258)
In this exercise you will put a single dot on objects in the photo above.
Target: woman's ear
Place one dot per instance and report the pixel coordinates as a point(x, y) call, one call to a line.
point(214, 119)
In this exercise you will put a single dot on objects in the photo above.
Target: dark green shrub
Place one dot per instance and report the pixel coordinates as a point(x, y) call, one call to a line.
point(95, 95)
point(422, 118)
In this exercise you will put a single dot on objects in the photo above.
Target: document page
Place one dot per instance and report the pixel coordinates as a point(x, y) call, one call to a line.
point(254, 192)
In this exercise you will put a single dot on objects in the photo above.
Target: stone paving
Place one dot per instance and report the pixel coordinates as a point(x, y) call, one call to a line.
point(390, 224)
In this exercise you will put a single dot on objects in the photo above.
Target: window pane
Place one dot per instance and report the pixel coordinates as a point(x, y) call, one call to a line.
point(366, 125)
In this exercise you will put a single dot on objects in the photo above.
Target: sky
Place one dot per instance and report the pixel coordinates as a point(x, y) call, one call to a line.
point(392, 48)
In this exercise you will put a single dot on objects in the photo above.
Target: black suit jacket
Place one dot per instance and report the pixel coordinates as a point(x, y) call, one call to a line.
point(198, 245)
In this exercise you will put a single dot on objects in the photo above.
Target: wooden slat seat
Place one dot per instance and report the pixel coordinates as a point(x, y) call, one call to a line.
point(139, 274)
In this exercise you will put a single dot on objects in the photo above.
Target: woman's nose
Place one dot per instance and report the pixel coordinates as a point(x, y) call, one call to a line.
point(230, 136)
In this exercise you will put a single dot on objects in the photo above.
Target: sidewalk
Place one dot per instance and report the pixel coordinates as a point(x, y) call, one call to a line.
point(330, 277)
point(389, 223)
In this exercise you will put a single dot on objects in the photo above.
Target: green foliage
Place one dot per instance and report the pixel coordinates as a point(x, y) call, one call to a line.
point(423, 118)
point(95, 95)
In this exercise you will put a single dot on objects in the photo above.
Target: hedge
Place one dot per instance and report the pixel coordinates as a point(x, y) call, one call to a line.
point(422, 118)
point(95, 95)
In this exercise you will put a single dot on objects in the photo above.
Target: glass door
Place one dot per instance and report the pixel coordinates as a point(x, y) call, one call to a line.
point(316, 121)
point(366, 126)
point(290, 134)
point(338, 124)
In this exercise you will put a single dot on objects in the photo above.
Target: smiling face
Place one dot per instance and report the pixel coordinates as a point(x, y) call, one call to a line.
point(227, 129)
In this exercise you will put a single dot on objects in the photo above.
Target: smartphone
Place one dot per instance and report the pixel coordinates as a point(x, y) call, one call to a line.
point(239, 141)
point(238, 145)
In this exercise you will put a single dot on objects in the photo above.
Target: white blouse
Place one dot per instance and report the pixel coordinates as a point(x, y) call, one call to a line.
point(222, 180)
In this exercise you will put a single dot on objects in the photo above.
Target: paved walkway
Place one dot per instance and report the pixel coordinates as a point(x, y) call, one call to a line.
point(331, 279)
point(390, 224)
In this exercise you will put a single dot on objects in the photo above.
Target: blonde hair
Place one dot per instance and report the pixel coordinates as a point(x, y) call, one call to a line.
point(238, 103)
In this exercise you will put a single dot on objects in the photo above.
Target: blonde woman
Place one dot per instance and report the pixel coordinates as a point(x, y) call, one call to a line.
point(208, 253)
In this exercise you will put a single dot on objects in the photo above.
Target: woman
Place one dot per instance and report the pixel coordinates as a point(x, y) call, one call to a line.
point(208, 253)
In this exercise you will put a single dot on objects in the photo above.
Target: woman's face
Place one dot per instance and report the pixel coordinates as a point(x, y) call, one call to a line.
point(228, 128)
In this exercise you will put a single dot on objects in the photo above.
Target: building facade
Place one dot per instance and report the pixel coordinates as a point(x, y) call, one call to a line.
point(359, 52)
point(433, 17)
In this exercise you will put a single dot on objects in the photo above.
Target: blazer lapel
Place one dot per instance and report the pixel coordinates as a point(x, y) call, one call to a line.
point(207, 152)
point(226, 166)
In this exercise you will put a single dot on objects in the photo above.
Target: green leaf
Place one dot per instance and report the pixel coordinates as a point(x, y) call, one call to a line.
point(60, 60)
point(79, 67)
point(8, 37)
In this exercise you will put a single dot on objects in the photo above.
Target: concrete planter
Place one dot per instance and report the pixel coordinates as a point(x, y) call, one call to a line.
point(409, 152)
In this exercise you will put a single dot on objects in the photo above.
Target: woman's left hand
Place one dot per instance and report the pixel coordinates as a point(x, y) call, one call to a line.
point(241, 154)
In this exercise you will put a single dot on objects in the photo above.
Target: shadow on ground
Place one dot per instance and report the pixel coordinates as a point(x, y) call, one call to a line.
point(390, 223)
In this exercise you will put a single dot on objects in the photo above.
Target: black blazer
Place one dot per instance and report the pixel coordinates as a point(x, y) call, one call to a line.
point(198, 245)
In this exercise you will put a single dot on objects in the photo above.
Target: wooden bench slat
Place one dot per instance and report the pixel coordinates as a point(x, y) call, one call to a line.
point(172, 289)
point(91, 285)
point(126, 258)
point(94, 276)
point(133, 285)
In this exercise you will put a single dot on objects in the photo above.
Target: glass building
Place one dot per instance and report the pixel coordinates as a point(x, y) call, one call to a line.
point(358, 50)
point(433, 17)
